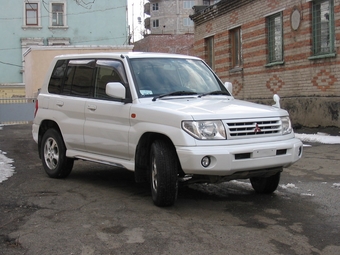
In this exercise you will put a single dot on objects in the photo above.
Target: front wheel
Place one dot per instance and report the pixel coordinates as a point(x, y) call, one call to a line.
point(53, 152)
point(164, 168)
point(265, 185)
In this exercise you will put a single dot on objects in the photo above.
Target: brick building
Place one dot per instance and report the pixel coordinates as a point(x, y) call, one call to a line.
point(168, 26)
point(286, 47)
point(168, 43)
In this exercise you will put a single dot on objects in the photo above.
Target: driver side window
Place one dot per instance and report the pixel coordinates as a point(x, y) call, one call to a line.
point(106, 72)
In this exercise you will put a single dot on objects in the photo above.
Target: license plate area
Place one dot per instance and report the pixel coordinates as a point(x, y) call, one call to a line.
point(264, 153)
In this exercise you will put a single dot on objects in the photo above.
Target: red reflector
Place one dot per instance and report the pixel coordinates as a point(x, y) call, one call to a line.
point(36, 107)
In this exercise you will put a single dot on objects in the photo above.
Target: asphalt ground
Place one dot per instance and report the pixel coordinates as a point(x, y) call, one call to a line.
point(101, 210)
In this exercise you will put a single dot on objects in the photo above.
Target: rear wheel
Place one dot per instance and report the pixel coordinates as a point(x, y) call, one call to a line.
point(164, 168)
point(53, 152)
point(265, 185)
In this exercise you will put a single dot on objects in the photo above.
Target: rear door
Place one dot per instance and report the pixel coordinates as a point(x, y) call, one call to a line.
point(69, 87)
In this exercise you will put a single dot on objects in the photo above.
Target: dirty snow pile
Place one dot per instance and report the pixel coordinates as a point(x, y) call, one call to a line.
point(6, 168)
point(318, 138)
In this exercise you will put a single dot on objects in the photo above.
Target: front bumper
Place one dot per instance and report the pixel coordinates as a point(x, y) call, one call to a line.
point(226, 160)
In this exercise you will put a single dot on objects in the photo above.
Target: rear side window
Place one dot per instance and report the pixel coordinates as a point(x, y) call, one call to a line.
point(72, 78)
point(78, 79)
point(54, 85)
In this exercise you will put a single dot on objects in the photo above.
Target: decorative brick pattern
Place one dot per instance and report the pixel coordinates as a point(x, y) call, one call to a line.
point(237, 87)
point(208, 27)
point(324, 80)
point(274, 84)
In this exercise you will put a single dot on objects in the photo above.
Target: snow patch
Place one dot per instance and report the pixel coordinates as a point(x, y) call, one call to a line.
point(336, 185)
point(307, 194)
point(288, 186)
point(318, 138)
point(6, 168)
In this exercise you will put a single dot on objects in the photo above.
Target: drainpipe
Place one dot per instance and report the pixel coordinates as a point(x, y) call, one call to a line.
point(177, 23)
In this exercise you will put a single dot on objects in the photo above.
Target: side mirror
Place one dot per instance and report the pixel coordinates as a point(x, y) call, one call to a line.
point(116, 90)
point(276, 99)
point(229, 86)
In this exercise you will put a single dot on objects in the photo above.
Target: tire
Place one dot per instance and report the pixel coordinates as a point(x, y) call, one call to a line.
point(164, 166)
point(265, 185)
point(53, 155)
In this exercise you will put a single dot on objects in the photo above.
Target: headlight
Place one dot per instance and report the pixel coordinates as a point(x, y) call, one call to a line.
point(286, 126)
point(205, 130)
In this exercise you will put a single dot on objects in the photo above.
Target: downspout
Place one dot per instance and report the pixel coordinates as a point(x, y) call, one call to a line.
point(177, 14)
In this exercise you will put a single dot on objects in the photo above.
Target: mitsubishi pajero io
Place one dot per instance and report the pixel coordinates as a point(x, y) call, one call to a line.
point(166, 117)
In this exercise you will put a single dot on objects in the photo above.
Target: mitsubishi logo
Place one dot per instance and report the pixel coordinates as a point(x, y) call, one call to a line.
point(257, 129)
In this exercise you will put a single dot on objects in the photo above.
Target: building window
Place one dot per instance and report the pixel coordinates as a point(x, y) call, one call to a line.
point(155, 23)
point(210, 54)
point(58, 14)
point(236, 49)
point(32, 14)
point(155, 7)
point(188, 4)
point(275, 41)
point(323, 27)
point(210, 2)
point(187, 22)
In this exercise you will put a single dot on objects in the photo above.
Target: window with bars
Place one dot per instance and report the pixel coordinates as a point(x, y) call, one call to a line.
point(58, 14)
point(32, 14)
point(210, 54)
point(236, 48)
point(275, 38)
point(323, 27)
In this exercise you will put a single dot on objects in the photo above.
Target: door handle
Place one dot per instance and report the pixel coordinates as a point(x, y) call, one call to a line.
point(59, 103)
point(91, 107)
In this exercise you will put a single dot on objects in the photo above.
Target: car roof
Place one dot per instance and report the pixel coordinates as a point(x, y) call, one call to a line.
point(130, 55)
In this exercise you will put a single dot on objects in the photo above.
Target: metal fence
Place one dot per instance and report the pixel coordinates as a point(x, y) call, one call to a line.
point(16, 110)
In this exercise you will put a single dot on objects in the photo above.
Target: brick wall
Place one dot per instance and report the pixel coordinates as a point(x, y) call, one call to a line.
point(179, 44)
point(309, 89)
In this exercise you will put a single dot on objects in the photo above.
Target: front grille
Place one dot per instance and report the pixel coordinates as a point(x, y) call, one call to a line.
point(253, 128)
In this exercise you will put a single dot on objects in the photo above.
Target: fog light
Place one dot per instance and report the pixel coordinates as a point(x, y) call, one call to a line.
point(205, 161)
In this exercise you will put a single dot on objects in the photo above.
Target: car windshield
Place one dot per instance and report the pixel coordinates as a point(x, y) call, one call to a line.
point(173, 76)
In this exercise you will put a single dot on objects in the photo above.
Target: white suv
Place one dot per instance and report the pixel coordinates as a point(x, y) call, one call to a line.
point(166, 117)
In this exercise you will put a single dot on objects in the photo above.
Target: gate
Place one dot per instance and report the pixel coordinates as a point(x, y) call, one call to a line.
point(16, 110)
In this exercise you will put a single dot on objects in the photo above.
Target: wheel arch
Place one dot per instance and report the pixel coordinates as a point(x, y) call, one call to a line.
point(44, 126)
point(142, 155)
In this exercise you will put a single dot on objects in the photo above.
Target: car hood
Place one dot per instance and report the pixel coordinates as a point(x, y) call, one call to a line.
point(216, 107)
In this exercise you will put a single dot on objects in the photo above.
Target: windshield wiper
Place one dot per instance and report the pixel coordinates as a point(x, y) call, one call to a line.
point(176, 93)
point(217, 92)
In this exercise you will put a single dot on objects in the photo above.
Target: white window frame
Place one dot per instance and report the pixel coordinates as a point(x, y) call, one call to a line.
point(275, 38)
point(51, 26)
point(322, 47)
point(53, 41)
point(24, 25)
